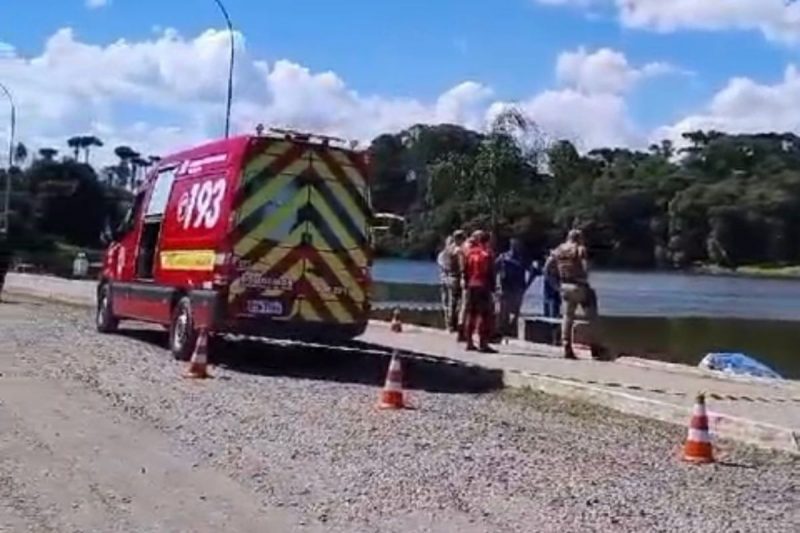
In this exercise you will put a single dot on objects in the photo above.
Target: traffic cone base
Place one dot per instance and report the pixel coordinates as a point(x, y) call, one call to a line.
point(392, 396)
point(698, 452)
point(397, 325)
point(198, 365)
point(698, 448)
point(197, 372)
point(392, 400)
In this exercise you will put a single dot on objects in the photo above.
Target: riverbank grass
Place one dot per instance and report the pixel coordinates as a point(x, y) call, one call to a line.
point(770, 271)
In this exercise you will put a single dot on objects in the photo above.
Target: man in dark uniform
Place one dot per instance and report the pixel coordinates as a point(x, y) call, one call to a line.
point(5, 260)
point(516, 274)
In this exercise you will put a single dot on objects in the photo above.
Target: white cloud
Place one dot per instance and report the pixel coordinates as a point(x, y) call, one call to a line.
point(464, 104)
point(6, 50)
point(95, 4)
point(167, 92)
point(777, 20)
point(604, 71)
point(745, 106)
point(588, 120)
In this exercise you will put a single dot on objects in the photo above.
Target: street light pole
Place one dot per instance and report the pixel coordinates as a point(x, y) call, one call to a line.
point(230, 68)
point(7, 196)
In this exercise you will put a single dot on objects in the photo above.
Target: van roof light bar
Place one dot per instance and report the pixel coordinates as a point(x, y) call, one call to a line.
point(325, 140)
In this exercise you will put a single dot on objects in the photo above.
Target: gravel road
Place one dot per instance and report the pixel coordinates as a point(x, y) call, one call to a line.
point(287, 437)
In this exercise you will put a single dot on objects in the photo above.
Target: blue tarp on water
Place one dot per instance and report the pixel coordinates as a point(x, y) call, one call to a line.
point(737, 363)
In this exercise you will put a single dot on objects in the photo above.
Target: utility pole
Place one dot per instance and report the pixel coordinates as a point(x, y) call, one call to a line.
point(230, 68)
point(12, 131)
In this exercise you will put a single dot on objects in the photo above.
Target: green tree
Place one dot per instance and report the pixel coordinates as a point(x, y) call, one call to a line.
point(87, 143)
point(75, 143)
point(125, 171)
point(20, 154)
point(48, 154)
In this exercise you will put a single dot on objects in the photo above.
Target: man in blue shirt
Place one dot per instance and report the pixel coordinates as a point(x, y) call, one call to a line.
point(515, 274)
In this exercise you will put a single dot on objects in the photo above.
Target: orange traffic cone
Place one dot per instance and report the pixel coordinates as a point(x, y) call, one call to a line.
point(392, 394)
point(397, 325)
point(698, 448)
point(198, 366)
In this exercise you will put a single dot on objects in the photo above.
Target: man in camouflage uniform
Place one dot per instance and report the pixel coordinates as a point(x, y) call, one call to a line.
point(451, 264)
point(570, 262)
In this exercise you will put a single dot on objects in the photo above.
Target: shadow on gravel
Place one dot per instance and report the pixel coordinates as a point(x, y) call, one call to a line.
point(7, 301)
point(733, 464)
point(354, 363)
point(155, 337)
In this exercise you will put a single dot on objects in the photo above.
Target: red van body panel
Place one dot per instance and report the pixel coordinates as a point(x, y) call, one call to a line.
point(266, 236)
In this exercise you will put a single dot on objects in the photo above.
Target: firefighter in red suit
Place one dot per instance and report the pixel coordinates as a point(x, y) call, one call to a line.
point(479, 284)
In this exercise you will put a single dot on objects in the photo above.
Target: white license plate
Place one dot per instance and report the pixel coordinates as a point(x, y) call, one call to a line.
point(265, 307)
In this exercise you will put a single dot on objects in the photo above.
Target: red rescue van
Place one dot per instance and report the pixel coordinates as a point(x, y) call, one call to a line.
point(257, 235)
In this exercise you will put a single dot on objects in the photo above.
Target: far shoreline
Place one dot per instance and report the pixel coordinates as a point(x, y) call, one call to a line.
point(791, 272)
point(752, 272)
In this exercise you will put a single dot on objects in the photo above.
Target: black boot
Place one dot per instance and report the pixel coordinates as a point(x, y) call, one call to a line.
point(599, 353)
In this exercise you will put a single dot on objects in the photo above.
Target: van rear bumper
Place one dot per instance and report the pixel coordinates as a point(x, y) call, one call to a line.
point(212, 310)
point(304, 331)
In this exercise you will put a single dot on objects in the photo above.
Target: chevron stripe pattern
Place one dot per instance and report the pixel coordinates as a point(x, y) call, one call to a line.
point(301, 235)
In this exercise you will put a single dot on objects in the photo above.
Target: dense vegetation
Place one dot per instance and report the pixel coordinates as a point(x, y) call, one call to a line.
point(725, 200)
point(60, 205)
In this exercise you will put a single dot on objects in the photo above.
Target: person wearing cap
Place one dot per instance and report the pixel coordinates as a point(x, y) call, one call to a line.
point(450, 265)
point(570, 261)
point(479, 282)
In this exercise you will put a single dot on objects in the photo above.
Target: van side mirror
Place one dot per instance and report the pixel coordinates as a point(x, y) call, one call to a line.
point(108, 235)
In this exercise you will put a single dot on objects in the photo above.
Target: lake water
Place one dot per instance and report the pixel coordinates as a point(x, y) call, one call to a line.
point(676, 317)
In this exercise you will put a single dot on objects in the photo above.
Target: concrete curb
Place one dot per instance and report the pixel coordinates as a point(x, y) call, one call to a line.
point(82, 293)
point(722, 426)
point(73, 292)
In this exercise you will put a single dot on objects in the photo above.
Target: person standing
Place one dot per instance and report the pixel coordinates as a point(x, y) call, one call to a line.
point(572, 265)
point(516, 275)
point(479, 282)
point(444, 274)
point(551, 292)
point(451, 266)
point(5, 260)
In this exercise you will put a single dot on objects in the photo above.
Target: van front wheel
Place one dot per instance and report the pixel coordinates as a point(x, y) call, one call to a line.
point(182, 334)
point(105, 319)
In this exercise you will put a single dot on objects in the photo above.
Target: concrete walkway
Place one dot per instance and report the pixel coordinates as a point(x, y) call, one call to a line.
point(758, 411)
point(761, 412)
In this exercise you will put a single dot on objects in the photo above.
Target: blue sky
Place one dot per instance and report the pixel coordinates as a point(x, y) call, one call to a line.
point(355, 67)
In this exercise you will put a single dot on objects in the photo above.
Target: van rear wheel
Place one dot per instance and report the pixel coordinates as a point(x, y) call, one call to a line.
point(182, 334)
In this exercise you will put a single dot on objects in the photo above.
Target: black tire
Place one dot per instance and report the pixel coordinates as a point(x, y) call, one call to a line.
point(218, 346)
point(105, 320)
point(182, 333)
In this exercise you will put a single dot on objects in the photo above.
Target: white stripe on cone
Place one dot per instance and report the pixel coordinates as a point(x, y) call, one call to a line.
point(698, 435)
point(394, 370)
point(201, 353)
